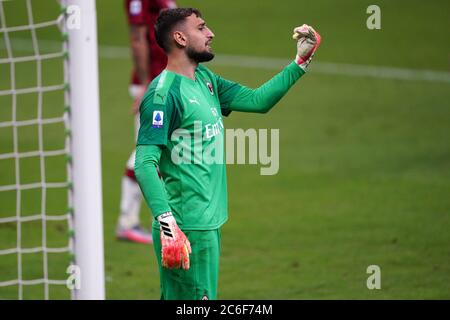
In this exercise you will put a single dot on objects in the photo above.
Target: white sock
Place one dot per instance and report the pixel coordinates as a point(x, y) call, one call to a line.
point(130, 203)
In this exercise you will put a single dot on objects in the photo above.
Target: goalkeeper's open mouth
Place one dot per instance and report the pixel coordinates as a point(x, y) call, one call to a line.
point(208, 45)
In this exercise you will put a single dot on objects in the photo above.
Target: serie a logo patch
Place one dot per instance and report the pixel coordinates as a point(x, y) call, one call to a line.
point(158, 118)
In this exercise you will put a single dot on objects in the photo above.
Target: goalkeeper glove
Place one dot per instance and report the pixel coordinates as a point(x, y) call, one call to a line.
point(308, 40)
point(175, 247)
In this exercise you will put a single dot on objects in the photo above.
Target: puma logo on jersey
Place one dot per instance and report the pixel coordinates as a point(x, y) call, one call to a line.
point(194, 101)
point(161, 96)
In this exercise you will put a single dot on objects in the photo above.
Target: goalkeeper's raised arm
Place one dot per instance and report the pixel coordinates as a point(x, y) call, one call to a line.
point(235, 97)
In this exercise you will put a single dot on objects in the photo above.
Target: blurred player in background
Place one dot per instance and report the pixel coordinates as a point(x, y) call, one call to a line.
point(189, 205)
point(149, 60)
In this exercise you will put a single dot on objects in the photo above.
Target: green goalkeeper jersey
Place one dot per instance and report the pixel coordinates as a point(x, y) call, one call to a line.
point(182, 133)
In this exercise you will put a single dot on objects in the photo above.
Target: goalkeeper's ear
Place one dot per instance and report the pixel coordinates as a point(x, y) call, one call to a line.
point(180, 39)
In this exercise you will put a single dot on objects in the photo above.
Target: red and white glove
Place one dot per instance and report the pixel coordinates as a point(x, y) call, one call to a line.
point(308, 40)
point(175, 246)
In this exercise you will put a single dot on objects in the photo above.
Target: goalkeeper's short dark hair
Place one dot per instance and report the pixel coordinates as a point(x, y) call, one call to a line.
point(167, 19)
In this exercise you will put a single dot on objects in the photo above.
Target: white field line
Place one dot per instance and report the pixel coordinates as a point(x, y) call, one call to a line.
point(344, 69)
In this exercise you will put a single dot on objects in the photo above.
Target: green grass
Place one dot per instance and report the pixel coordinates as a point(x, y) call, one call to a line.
point(364, 162)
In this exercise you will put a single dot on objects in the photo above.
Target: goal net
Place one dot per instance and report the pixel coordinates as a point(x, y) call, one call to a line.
point(51, 244)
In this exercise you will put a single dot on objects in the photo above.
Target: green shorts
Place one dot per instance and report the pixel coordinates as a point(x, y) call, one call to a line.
point(201, 280)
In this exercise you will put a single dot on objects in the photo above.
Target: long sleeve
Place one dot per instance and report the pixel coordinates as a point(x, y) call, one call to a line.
point(152, 187)
point(235, 97)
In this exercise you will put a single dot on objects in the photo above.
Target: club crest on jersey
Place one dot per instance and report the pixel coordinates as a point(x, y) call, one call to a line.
point(158, 118)
point(209, 85)
point(135, 7)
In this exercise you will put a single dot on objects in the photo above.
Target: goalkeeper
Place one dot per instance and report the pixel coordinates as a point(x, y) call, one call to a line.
point(189, 203)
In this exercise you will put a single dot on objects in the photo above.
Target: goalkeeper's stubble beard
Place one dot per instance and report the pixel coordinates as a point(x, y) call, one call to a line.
point(199, 56)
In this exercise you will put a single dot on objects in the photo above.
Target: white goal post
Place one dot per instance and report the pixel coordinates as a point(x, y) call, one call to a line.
point(86, 166)
point(80, 137)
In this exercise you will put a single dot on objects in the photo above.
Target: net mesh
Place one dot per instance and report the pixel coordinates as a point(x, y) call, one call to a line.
point(36, 243)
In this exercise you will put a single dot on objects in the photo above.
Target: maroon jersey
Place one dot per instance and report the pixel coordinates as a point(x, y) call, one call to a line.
point(145, 12)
